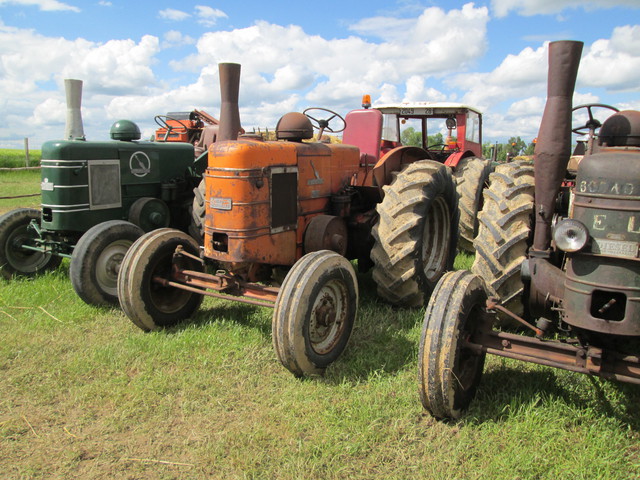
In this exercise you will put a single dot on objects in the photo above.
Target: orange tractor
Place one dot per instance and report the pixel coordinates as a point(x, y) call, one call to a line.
point(283, 218)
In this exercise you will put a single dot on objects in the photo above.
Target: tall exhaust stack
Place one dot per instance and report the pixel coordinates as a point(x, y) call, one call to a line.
point(553, 148)
point(73, 129)
point(229, 110)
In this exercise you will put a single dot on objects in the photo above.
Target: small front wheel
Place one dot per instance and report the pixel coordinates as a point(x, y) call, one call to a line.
point(448, 370)
point(314, 312)
point(96, 260)
point(144, 298)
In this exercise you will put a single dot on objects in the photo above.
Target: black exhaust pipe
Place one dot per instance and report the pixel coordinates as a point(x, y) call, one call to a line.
point(229, 110)
point(553, 148)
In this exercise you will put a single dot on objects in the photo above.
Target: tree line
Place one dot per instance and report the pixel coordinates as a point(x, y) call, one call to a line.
point(503, 151)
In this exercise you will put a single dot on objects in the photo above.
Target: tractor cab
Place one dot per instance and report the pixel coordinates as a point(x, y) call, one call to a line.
point(442, 129)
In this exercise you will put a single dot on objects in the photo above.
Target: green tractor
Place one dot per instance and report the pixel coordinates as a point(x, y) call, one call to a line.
point(98, 198)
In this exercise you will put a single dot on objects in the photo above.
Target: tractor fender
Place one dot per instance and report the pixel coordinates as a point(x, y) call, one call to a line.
point(394, 160)
point(453, 159)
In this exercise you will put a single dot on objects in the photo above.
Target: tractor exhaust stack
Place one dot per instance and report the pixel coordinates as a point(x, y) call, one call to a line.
point(229, 110)
point(553, 149)
point(73, 129)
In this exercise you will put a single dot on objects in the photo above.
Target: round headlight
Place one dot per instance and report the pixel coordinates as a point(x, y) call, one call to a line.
point(570, 235)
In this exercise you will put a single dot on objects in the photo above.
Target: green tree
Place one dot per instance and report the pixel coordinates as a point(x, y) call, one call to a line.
point(531, 147)
point(516, 146)
point(410, 136)
point(436, 139)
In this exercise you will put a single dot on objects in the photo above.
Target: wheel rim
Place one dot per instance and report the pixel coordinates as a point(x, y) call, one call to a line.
point(25, 261)
point(328, 317)
point(108, 265)
point(166, 299)
point(435, 239)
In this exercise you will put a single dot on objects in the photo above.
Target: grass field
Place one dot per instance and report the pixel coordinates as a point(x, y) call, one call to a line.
point(10, 158)
point(86, 394)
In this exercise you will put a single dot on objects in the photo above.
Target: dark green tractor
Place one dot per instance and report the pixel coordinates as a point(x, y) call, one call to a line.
point(97, 199)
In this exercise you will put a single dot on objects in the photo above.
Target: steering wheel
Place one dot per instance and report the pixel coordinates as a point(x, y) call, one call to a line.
point(436, 147)
point(161, 120)
point(323, 124)
point(593, 123)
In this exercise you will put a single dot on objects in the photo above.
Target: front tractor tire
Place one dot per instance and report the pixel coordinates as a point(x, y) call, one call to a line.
point(471, 176)
point(96, 260)
point(149, 304)
point(415, 237)
point(314, 312)
point(16, 233)
point(504, 235)
point(448, 371)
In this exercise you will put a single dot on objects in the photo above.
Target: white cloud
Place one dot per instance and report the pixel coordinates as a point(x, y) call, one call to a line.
point(174, 38)
point(428, 57)
point(44, 5)
point(173, 14)
point(502, 8)
point(114, 68)
point(613, 64)
point(416, 91)
point(208, 16)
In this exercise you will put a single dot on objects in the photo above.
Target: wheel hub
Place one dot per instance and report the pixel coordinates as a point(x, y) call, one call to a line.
point(327, 317)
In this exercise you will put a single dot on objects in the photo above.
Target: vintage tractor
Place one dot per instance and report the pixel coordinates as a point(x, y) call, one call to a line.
point(558, 255)
point(97, 198)
point(283, 219)
point(461, 150)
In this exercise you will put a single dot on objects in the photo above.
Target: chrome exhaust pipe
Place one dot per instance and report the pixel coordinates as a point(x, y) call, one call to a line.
point(73, 129)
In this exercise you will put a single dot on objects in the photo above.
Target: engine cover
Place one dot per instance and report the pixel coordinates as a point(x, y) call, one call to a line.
point(602, 285)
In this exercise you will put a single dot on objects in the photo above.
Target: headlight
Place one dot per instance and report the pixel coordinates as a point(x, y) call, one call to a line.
point(570, 235)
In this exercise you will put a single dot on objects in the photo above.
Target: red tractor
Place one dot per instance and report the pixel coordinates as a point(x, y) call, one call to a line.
point(460, 149)
point(283, 218)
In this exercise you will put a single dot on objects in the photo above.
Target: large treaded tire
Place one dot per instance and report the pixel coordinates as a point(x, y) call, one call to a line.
point(415, 237)
point(471, 175)
point(504, 235)
point(198, 208)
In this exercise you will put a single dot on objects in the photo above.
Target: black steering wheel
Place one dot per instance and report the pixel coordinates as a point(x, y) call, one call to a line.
point(593, 123)
point(436, 147)
point(161, 120)
point(323, 124)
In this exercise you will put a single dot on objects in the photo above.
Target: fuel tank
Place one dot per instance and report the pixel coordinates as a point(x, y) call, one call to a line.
point(260, 196)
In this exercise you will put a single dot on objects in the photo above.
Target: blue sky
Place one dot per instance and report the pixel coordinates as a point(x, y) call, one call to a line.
point(142, 58)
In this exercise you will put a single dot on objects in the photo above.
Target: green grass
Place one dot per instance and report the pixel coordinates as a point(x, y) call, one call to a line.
point(19, 184)
point(86, 394)
point(10, 158)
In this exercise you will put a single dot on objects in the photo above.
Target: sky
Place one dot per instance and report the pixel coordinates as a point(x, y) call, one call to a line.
point(140, 58)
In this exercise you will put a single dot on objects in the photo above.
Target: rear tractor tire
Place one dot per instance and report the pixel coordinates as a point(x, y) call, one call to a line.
point(196, 227)
point(504, 235)
point(314, 312)
point(471, 176)
point(149, 304)
point(96, 260)
point(448, 371)
point(14, 233)
point(415, 237)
